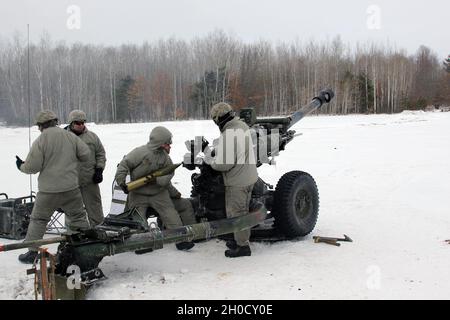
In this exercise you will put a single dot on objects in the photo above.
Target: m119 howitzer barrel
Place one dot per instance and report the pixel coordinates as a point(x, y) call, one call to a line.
point(268, 143)
point(324, 96)
point(152, 176)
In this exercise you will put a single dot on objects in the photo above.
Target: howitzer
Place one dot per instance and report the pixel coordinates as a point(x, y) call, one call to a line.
point(133, 185)
point(294, 203)
point(289, 210)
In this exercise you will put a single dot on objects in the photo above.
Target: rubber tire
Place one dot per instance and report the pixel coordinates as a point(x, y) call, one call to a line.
point(289, 187)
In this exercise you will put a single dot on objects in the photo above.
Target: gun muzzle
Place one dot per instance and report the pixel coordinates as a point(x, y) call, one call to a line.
point(325, 96)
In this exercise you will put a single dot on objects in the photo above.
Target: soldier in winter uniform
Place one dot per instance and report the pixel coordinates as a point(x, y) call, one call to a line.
point(91, 171)
point(55, 155)
point(160, 195)
point(234, 157)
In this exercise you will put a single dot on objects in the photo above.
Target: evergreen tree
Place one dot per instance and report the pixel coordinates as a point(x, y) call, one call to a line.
point(365, 93)
point(122, 99)
point(447, 64)
point(211, 89)
point(135, 99)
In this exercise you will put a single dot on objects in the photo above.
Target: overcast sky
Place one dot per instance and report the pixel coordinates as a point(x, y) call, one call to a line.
point(405, 24)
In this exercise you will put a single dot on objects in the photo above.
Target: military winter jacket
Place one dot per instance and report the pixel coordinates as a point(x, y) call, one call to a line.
point(97, 157)
point(141, 162)
point(234, 155)
point(173, 192)
point(55, 155)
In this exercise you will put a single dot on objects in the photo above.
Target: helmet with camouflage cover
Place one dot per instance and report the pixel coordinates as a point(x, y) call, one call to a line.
point(159, 136)
point(45, 116)
point(77, 115)
point(220, 109)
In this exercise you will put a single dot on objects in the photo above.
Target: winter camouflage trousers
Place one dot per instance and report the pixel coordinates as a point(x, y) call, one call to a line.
point(46, 204)
point(173, 212)
point(237, 201)
point(93, 203)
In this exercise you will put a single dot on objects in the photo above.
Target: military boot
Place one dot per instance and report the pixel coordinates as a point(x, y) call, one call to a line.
point(185, 245)
point(143, 251)
point(238, 252)
point(231, 244)
point(28, 257)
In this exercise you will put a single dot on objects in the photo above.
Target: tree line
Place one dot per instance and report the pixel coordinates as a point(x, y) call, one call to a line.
point(177, 79)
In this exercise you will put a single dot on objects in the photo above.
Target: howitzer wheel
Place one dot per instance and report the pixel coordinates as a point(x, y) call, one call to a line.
point(296, 204)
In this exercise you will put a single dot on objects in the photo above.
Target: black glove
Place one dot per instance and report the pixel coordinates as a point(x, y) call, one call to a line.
point(205, 143)
point(19, 162)
point(124, 188)
point(176, 195)
point(98, 175)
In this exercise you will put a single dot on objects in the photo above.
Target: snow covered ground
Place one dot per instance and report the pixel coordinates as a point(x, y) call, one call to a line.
point(384, 180)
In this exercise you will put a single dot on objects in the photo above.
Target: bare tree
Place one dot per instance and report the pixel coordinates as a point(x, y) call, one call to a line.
point(275, 79)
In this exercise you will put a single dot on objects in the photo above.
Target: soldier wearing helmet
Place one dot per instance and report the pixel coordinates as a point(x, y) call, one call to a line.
point(90, 171)
point(55, 155)
point(237, 163)
point(161, 195)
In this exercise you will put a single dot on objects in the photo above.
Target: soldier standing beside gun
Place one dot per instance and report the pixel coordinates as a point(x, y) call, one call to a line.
point(91, 171)
point(235, 159)
point(159, 194)
point(55, 155)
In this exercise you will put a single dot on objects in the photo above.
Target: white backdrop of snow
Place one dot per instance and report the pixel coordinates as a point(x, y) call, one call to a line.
point(384, 180)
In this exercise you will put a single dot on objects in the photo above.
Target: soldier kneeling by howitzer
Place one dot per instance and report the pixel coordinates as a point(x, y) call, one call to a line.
point(159, 194)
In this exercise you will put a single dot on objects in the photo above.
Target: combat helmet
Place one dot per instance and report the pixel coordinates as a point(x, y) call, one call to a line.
point(77, 115)
point(45, 116)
